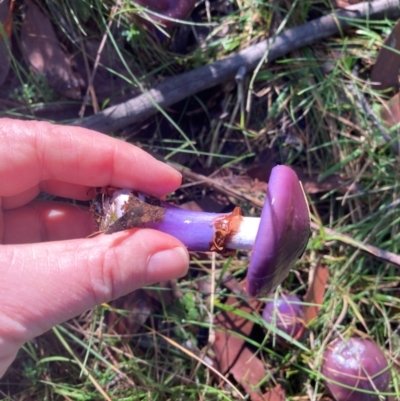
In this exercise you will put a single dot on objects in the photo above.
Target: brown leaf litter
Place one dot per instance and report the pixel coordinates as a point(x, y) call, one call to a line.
point(44, 54)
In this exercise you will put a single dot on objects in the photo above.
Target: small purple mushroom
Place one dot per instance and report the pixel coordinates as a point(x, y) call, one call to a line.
point(171, 9)
point(286, 312)
point(278, 238)
point(355, 364)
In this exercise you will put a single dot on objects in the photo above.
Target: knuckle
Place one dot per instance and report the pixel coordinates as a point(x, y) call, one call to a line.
point(102, 280)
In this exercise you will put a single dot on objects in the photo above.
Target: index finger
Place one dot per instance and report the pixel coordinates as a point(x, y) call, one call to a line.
point(32, 152)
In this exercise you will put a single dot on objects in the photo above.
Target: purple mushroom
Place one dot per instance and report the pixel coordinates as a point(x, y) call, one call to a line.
point(277, 239)
point(356, 370)
point(171, 9)
point(286, 312)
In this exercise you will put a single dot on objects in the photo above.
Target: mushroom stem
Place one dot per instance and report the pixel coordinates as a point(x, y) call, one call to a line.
point(277, 239)
point(198, 231)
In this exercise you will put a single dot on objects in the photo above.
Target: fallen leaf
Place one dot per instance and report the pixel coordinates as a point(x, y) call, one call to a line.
point(390, 113)
point(233, 285)
point(261, 171)
point(44, 53)
point(315, 293)
point(311, 183)
point(226, 176)
point(244, 366)
point(249, 371)
point(227, 322)
point(6, 8)
point(275, 394)
point(212, 202)
point(334, 182)
point(137, 307)
point(385, 72)
point(231, 353)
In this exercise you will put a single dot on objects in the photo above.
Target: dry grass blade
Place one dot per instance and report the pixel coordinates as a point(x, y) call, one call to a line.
point(81, 365)
point(202, 361)
point(370, 249)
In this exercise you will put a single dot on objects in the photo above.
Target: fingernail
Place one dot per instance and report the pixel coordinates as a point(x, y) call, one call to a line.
point(177, 173)
point(174, 171)
point(167, 265)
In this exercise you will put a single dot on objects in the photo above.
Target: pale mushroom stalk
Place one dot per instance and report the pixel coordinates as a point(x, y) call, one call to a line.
point(277, 239)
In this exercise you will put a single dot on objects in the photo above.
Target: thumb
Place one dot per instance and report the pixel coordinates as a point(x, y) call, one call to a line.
point(47, 283)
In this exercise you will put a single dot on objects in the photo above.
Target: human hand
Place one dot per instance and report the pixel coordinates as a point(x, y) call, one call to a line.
point(49, 271)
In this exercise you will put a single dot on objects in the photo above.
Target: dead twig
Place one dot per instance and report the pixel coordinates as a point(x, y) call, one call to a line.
point(181, 86)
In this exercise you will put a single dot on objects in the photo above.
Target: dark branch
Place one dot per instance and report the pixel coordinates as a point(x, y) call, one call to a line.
point(179, 87)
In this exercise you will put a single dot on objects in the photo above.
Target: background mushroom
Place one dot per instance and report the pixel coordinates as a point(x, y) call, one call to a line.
point(355, 364)
point(286, 312)
point(278, 238)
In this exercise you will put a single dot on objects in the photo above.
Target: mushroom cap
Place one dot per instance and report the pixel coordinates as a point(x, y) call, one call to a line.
point(286, 312)
point(357, 363)
point(283, 233)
